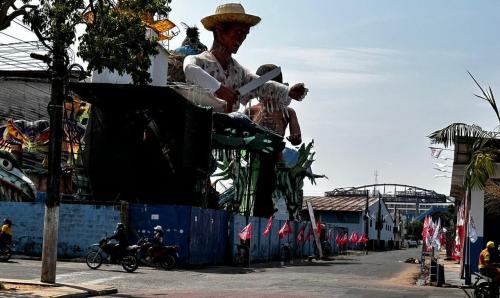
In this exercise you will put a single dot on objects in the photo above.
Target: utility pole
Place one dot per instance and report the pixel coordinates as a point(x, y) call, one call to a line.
point(379, 224)
point(55, 109)
point(395, 226)
point(367, 218)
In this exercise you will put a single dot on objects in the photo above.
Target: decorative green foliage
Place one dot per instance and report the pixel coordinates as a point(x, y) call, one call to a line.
point(290, 181)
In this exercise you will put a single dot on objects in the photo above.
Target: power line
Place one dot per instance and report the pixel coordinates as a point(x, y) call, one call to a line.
point(8, 35)
point(15, 61)
point(22, 25)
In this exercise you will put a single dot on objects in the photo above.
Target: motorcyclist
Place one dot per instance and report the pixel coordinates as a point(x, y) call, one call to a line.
point(121, 236)
point(6, 232)
point(488, 262)
point(157, 242)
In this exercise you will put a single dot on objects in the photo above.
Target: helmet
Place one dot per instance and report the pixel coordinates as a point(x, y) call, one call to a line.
point(490, 244)
point(120, 226)
point(7, 221)
point(158, 228)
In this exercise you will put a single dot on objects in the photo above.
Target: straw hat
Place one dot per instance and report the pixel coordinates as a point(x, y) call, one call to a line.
point(230, 12)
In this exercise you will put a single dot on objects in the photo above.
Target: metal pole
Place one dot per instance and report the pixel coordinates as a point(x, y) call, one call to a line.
point(466, 255)
point(379, 221)
point(55, 109)
point(367, 219)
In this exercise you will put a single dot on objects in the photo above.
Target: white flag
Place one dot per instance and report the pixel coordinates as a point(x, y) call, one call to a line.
point(445, 158)
point(436, 243)
point(441, 165)
point(442, 170)
point(435, 152)
point(441, 176)
point(472, 230)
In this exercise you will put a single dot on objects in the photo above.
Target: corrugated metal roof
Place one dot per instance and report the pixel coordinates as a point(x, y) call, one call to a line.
point(24, 98)
point(353, 204)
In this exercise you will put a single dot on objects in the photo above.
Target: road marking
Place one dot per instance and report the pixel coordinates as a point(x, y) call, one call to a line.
point(102, 280)
point(73, 274)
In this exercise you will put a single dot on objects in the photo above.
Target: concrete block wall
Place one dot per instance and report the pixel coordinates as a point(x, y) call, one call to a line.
point(79, 226)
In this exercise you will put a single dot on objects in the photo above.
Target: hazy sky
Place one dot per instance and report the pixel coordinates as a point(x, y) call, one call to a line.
point(382, 75)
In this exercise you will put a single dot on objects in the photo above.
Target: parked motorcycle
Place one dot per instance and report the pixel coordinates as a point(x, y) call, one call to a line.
point(165, 257)
point(127, 259)
point(5, 252)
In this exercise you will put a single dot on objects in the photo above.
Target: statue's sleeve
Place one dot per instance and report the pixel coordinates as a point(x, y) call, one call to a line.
point(197, 75)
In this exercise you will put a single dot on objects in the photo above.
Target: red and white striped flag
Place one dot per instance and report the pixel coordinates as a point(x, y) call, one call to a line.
point(300, 235)
point(363, 238)
point(285, 230)
point(246, 232)
point(268, 226)
point(354, 237)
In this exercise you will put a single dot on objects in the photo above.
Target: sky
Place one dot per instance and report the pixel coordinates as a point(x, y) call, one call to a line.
point(382, 75)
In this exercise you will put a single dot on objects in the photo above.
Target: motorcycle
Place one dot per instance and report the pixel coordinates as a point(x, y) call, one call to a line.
point(165, 257)
point(5, 252)
point(127, 259)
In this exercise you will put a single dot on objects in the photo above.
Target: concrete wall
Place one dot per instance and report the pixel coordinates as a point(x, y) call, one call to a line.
point(79, 226)
point(477, 215)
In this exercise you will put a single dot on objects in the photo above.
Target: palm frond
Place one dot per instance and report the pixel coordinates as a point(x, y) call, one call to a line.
point(448, 135)
point(487, 95)
point(479, 170)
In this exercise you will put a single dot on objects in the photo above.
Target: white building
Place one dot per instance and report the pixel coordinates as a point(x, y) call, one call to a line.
point(350, 211)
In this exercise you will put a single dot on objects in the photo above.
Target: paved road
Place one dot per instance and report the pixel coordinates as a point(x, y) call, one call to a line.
point(375, 275)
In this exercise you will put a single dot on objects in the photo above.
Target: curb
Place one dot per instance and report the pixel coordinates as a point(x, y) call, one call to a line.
point(64, 290)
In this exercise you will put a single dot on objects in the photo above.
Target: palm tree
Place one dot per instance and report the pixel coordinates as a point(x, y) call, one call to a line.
point(483, 146)
point(483, 143)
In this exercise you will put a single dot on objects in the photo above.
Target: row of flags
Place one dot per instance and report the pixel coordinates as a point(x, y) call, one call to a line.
point(433, 233)
point(441, 167)
point(246, 232)
point(460, 232)
point(340, 240)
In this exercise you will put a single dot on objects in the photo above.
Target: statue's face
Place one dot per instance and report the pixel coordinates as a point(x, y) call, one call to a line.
point(231, 37)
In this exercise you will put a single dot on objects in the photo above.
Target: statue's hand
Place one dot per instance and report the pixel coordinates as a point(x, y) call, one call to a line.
point(229, 95)
point(295, 139)
point(298, 91)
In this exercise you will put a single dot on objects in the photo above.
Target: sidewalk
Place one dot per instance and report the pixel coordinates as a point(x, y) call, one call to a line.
point(32, 288)
point(452, 273)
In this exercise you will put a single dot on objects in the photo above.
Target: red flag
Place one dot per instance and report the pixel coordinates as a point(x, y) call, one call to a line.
point(300, 235)
point(268, 226)
point(285, 230)
point(425, 229)
point(338, 240)
point(344, 239)
point(354, 237)
point(308, 236)
point(246, 233)
point(363, 238)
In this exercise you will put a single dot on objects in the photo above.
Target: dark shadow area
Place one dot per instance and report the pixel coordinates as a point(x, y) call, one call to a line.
point(263, 266)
